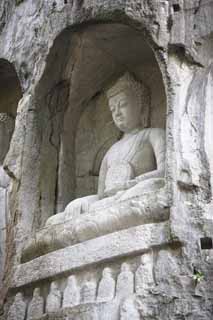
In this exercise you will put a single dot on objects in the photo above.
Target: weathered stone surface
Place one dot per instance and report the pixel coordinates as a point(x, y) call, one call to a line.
point(109, 247)
point(146, 202)
point(63, 54)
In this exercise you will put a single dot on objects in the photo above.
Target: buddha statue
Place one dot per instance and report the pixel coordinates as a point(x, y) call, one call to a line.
point(132, 166)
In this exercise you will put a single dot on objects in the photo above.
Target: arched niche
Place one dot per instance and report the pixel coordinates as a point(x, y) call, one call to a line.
point(10, 94)
point(70, 95)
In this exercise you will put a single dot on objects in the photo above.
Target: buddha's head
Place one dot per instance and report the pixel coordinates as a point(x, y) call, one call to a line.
point(72, 280)
point(18, 297)
point(127, 99)
point(146, 258)
point(107, 272)
point(36, 292)
point(53, 286)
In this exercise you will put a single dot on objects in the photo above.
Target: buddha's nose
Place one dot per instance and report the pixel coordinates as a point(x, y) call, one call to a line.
point(117, 112)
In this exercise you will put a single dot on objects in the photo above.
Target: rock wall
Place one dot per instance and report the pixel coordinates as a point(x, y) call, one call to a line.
point(64, 53)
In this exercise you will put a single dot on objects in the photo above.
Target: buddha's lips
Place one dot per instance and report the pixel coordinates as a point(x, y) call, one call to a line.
point(119, 119)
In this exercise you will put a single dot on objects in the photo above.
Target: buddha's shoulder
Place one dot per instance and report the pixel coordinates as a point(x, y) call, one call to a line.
point(152, 132)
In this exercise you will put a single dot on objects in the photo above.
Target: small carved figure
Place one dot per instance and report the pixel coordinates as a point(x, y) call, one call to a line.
point(53, 303)
point(106, 289)
point(71, 293)
point(144, 280)
point(125, 282)
point(36, 305)
point(88, 291)
point(128, 310)
point(18, 309)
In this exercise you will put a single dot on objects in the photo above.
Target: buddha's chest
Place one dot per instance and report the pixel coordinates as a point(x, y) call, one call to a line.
point(130, 158)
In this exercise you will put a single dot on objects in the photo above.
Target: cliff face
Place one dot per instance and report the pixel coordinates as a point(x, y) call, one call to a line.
point(56, 58)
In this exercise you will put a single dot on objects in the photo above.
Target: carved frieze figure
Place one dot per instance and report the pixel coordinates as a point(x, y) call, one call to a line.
point(53, 303)
point(106, 289)
point(125, 282)
point(144, 279)
point(133, 168)
point(129, 311)
point(88, 291)
point(71, 293)
point(18, 308)
point(36, 305)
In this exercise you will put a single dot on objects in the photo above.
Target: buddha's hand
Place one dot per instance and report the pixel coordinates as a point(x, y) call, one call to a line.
point(79, 206)
point(120, 187)
point(55, 219)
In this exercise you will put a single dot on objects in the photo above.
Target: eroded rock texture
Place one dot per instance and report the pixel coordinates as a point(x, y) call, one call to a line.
point(57, 58)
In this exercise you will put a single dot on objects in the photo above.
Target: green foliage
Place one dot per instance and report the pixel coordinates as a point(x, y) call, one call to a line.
point(18, 2)
point(198, 276)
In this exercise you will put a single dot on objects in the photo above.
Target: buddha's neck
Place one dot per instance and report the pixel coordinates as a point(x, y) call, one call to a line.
point(131, 133)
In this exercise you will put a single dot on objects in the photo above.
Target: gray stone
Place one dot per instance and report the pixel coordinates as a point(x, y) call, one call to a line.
point(6, 130)
point(60, 57)
point(138, 239)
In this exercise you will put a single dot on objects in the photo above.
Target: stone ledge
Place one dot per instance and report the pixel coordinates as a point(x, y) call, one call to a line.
point(87, 311)
point(127, 242)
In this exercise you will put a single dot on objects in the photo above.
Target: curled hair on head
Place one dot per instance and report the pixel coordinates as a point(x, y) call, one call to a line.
point(140, 91)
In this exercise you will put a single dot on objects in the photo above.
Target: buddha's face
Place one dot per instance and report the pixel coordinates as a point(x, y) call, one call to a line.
point(126, 112)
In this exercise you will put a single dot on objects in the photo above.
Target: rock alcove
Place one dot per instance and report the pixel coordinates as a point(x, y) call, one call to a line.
point(75, 125)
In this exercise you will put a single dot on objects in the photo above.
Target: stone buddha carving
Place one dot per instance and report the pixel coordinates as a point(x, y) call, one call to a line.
point(131, 168)
point(139, 155)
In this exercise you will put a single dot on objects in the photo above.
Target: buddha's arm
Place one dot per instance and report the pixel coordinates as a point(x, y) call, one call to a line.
point(156, 138)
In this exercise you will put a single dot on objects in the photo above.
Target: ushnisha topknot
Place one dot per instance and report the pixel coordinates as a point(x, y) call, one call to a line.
point(124, 83)
point(141, 92)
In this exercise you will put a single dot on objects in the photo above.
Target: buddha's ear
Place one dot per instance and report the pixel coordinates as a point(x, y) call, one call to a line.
point(145, 116)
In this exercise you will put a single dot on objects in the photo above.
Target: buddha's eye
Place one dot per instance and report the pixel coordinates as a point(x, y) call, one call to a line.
point(123, 105)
